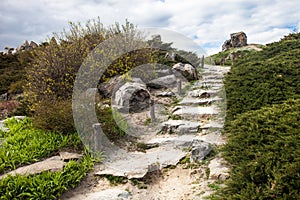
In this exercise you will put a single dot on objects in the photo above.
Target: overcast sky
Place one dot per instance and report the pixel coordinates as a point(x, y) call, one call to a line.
point(207, 22)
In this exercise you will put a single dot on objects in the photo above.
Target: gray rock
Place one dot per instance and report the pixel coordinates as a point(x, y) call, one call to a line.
point(66, 156)
point(201, 93)
point(166, 94)
point(4, 97)
point(107, 89)
point(187, 70)
point(238, 39)
point(180, 126)
point(194, 101)
point(137, 164)
point(2, 126)
point(132, 97)
point(51, 164)
point(163, 82)
point(219, 170)
point(226, 45)
point(200, 150)
point(194, 111)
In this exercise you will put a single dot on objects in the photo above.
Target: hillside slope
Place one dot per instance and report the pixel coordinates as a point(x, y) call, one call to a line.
point(262, 123)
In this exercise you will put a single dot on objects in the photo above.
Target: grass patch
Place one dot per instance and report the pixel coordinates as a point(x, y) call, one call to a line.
point(24, 144)
point(47, 185)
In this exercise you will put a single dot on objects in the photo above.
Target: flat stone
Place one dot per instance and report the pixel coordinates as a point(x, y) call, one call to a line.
point(183, 141)
point(166, 94)
point(138, 164)
point(180, 126)
point(189, 110)
point(218, 169)
point(196, 101)
point(201, 93)
point(52, 164)
point(212, 124)
point(66, 156)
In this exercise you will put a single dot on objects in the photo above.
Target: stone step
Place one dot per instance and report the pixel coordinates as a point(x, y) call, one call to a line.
point(138, 164)
point(192, 111)
point(196, 101)
point(202, 93)
point(180, 127)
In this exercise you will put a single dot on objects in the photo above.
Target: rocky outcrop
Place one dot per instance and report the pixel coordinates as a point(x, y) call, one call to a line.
point(236, 40)
point(187, 70)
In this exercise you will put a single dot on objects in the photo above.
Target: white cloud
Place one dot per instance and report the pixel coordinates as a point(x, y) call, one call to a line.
point(210, 22)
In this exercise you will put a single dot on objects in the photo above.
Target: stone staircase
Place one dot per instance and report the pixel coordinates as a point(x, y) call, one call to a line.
point(199, 119)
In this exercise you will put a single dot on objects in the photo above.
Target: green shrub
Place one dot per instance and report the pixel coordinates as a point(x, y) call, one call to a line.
point(55, 115)
point(264, 151)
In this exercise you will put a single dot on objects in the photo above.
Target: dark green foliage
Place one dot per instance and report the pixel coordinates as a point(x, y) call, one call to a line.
point(109, 125)
point(12, 68)
point(263, 124)
point(264, 78)
point(55, 115)
point(264, 150)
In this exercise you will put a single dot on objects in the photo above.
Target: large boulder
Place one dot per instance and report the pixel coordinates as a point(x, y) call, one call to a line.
point(132, 97)
point(187, 70)
point(236, 40)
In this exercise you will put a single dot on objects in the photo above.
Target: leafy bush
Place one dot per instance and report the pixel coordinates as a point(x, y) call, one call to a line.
point(51, 75)
point(55, 115)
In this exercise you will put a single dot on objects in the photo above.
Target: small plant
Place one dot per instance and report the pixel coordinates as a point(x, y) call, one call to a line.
point(138, 183)
point(115, 180)
point(175, 117)
point(207, 172)
point(214, 186)
point(147, 122)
